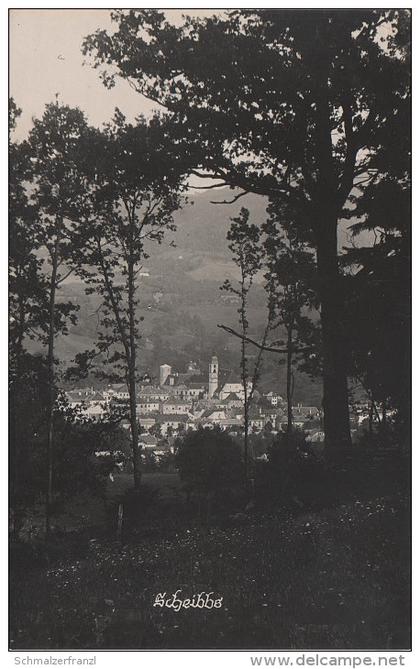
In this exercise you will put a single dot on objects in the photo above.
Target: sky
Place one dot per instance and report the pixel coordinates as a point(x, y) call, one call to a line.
point(46, 59)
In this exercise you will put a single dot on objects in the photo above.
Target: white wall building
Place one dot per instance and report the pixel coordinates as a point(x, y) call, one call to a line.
point(176, 407)
point(147, 406)
point(164, 371)
point(236, 388)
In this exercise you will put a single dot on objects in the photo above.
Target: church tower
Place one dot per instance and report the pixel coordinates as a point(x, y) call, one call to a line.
point(213, 376)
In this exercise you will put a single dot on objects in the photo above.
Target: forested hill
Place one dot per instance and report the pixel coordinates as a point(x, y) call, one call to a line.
point(180, 297)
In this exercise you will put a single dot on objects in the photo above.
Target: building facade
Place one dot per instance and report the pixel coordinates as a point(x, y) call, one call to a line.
point(213, 376)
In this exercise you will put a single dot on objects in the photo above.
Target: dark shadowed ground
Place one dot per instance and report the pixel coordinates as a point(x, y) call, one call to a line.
point(335, 578)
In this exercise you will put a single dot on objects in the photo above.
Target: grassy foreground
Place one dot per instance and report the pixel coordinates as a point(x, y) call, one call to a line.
point(337, 578)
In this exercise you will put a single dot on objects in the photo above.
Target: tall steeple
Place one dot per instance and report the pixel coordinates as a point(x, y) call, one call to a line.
point(213, 376)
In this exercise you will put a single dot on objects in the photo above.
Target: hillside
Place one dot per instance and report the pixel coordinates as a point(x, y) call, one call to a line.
point(181, 301)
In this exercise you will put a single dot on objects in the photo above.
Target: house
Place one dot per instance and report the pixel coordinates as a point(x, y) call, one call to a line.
point(173, 422)
point(78, 396)
point(214, 415)
point(97, 404)
point(237, 388)
point(118, 391)
point(153, 394)
point(305, 412)
point(75, 398)
point(164, 372)
point(146, 421)
point(257, 422)
point(233, 400)
point(181, 391)
point(195, 390)
point(274, 398)
point(193, 369)
point(231, 423)
point(147, 406)
point(316, 437)
point(147, 441)
point(175, 406)
point(171, 379)
point(296, 422)
point(271, 416)
point(89, 403)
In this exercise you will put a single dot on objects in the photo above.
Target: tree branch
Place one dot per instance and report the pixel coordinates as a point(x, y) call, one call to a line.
point(235, 199)
point(269, 348)
point(63, 278)
point(347, 179)
point(222, 185)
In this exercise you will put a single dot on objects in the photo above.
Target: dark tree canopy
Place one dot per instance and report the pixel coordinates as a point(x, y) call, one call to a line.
point(296, 106)
point(26, 283)
point(132, 185)
point(209, 461)
point(249, 89)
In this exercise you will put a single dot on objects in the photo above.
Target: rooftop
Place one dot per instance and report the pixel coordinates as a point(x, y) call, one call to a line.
point(147, 439)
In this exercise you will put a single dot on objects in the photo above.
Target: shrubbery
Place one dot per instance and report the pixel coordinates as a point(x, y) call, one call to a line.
point(210, 465)
point(294, 473)
point(77, 469)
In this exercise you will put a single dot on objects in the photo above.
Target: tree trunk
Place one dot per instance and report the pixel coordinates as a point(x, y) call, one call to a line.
point(289, 392)
point(335, 392)
point(370, 418)
point(244, 372)
point(15, 457)
point(384, 416)
point(246, 430)
point(325, 209)
point(51, 392)
point(134, 427)
point(15, 445)
point(246, 406)
point(128, 341)
point(132, 377)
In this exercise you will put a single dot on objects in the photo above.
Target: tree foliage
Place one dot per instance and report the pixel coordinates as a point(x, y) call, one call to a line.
point(291, 105)
point(291, 284)
point(26, 284)
point(76, 439)
point(209, 461)
point(244, 240)
point(133, 189)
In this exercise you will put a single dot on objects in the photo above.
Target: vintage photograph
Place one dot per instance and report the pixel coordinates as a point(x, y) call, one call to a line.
point(209, 329)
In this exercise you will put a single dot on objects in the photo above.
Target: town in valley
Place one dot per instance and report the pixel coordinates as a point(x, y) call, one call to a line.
point(177, 402)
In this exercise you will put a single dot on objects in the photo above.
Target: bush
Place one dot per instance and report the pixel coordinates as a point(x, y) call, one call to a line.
point(77, 470)
point(386, 436)
point(137, 504)
point(210, 463)
point(294, 473)
point(295, 476)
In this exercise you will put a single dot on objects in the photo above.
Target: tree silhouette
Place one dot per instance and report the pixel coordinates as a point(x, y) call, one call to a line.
point(290, 105)
point(133, 188)
point(291, 286)
point(244, 244)
point(54, 147)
